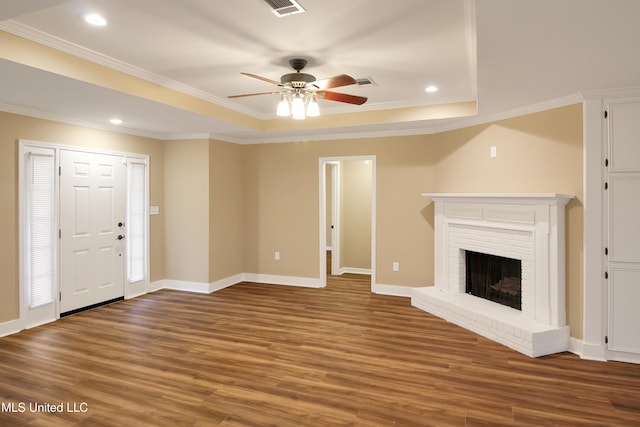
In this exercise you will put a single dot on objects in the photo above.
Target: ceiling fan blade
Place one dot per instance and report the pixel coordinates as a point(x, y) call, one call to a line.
point(252, 94)
point(335, 81)
point(264, 79)
point(341, 97)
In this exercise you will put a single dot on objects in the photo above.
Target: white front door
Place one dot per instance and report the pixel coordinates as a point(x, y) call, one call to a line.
point(623, 249)
point(92, 216)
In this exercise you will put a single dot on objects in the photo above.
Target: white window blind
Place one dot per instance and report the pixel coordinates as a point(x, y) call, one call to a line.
point(136, 222)
point(41, 229)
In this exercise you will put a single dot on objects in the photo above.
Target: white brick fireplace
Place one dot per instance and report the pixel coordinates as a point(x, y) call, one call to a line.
point(526, 227)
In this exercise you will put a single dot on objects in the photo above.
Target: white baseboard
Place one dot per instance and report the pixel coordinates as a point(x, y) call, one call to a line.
point(136, 295)
point(156, 286)
point(305, 282)
point(199, 287)
point(352, 270)
point(225, 283)
point(576, 347)
point(207, 288)
point(592, 352)
point(181, 285)
point(397, 291)
point(11, 327)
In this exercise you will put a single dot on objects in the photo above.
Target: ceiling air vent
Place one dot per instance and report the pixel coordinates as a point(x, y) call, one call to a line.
point(284, 7)
point(366, 81)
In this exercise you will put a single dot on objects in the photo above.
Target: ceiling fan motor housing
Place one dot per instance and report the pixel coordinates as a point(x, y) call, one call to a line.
point(297, 79)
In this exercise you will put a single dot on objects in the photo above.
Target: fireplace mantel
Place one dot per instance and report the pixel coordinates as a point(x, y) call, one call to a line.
point(529, 227)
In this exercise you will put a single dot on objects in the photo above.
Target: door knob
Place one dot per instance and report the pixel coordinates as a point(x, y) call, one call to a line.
point(120, 237)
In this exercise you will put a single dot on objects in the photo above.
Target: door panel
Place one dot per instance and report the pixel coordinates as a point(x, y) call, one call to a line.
point(624, 295)
point(92, 203)
point(624, 215)
point(623, 212)
point(623, 131)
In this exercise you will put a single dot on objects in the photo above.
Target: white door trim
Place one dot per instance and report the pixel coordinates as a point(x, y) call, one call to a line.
point(131, 290)
point(322, 226)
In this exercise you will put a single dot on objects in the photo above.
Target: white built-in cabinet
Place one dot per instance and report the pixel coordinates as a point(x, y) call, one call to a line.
point(621, 232)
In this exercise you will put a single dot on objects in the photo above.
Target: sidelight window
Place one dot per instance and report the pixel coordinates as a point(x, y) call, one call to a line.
point(40, 230)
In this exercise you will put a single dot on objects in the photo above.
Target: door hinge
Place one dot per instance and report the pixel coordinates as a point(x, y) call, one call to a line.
point(606, 339)
point(606, 275)
point(606, 163)
point(606, 185)
point(59, 233)
point(606, 114)
point(59, 170)
point(606, 251)
point(60, 296)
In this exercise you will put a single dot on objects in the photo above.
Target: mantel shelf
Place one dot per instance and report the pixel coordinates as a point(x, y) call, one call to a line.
point(504, 198)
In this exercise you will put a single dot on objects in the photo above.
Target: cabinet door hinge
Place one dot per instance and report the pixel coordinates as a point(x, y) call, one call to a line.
point(60, 296)
point(59, 170)
point(606, 114)
point(606, 339)
point(606, 274)
point(606, 185)
point(606, 251)
point(59, 233)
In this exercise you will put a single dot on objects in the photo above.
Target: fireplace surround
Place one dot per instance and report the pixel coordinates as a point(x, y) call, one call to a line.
point(526, 227)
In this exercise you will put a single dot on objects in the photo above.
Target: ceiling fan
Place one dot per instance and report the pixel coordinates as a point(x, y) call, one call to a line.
point(300, 91)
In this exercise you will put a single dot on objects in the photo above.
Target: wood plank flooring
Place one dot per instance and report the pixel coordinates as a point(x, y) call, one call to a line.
point(267, 355)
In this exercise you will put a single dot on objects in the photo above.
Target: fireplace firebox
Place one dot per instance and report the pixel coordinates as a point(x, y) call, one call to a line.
point(494, 278)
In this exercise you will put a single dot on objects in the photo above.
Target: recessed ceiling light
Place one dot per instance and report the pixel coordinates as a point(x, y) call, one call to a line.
point(116, 121)
point(95, 19)
point(431, 89)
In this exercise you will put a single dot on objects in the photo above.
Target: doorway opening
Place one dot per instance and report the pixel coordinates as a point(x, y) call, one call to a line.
point(347, 216)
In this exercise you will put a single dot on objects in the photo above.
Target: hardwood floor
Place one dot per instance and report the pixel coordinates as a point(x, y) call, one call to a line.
point(267, 355)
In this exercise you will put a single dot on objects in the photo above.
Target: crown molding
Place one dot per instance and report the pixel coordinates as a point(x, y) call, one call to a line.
point(322, 135)
point(454, 124)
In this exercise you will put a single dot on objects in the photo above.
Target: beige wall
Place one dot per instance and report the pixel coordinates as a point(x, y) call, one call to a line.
point(282, 206)
point(186, 210)
point(226, 207)
point(355, 207)
point(14, 127)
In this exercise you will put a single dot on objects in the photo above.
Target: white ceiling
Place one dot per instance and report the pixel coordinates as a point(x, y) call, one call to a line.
point(506, 54)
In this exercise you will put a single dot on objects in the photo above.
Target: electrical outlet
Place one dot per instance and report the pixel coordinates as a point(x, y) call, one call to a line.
point(277, 256)
point(396, 266)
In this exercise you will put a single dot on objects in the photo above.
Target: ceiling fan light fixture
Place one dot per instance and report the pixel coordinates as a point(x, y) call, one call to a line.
point(313, 110)
point(284, 109)
point(297, 108)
